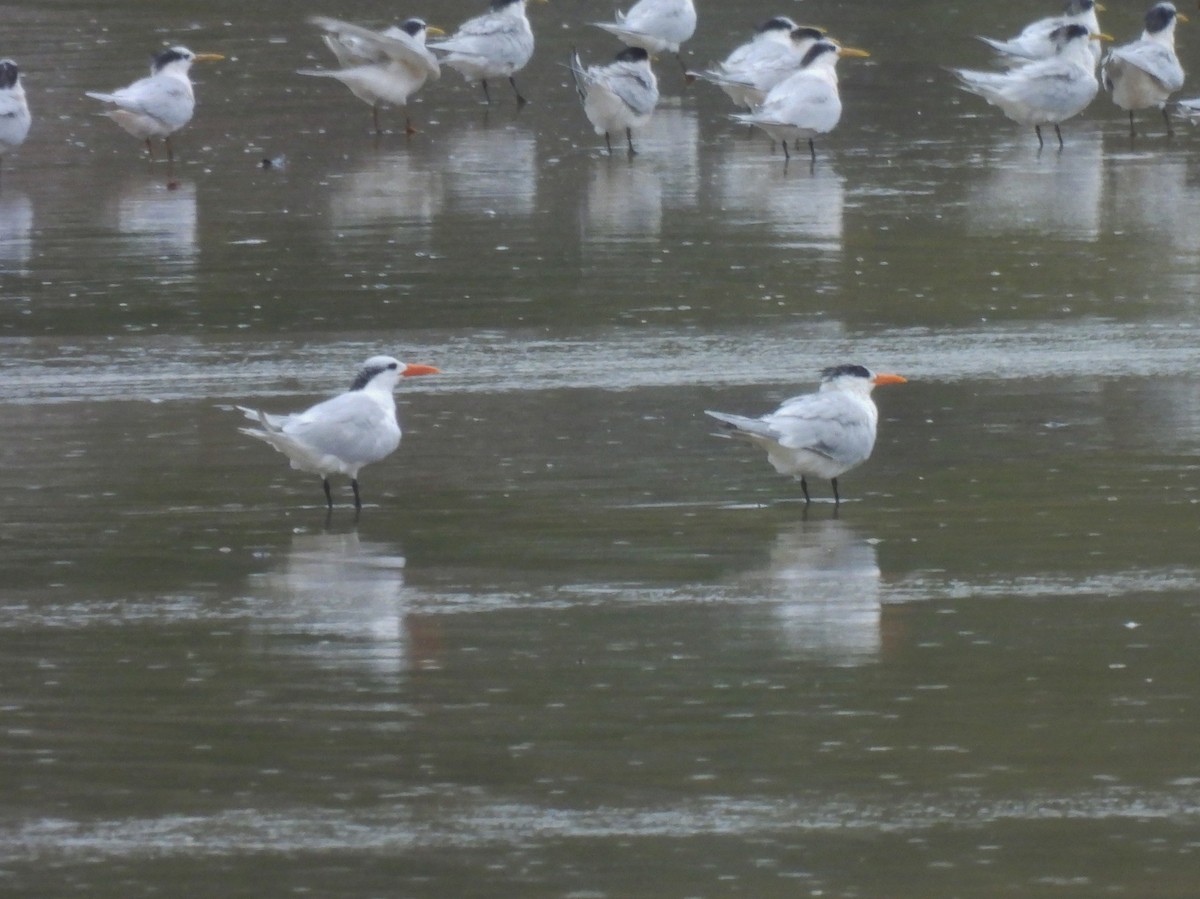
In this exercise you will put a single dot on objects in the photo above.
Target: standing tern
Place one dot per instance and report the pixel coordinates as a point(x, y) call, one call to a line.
point(657, 26)
point(1046, 92)
point(380, 67)
point(342, 434)
point(497, 44)
point(14, 111)
point(1035, 40)
point(805, 103)
point(750, 71)
point(1146, 72)
point(823, 434)
point(161, 104)
point(620, 95)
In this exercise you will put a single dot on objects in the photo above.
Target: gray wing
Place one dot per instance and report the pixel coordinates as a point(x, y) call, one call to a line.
point(166, 99)
point(628, 82)
point(826, 424)
point(491, 37)
point(1154, 59)
point(349, 426)
point(354, 45)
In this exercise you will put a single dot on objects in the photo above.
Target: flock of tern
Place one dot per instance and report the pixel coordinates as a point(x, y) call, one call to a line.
point(784, 80)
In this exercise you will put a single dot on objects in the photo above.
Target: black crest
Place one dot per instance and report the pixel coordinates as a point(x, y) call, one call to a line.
point(1160, 16)
point(168, 56)
point(778, 23)
point(8, 74)
point(413, 27)
point(816, 51)
point(364, 377)
point(633, 54)
point(838, 371)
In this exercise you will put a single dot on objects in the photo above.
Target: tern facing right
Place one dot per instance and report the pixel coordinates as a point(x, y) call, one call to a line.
point(656, 26)
point(160, 104)
point(380, 67)
point(620, 95)
point(1046, 92)
point(342, 434)
point(497, 44)
point(806, 103)
point(823, 434)
point(1146, 72)
point(755, 67)
point(1035, 40)
point(14, 111)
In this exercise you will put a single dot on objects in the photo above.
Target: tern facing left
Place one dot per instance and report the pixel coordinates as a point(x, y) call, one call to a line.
point(160, 104)
point(14, 111)
point(822, 434)
point(806, 103)
point(656, 26)
point(1046, 92)
point(620, 95)
point(1144, 73)
point(380, 67)
point(342, 434)
point(497, 44)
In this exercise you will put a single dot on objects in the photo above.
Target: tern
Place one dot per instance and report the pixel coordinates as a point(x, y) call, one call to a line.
point(750, 71)
point(497, 44)
point(1035, 41)
point(822, 434)
point(657, 26)
point(342, 434)
point(806, 103)
point(161, 104)
point(380, 67)
point(1146, 72)
point(14, 111)
point(620, 95)
point(1046, 92)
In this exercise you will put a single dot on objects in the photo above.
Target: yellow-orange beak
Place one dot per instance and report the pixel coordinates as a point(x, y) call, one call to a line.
point(880, 380)
point(434, 30)
point(852, 51)
point(410, 370)
point(1101, 37)
point(208, 57)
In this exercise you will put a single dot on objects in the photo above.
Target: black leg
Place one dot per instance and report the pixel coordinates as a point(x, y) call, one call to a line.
point(328, 493)
point(837, 500)
point(629, 137)
point(357, 498)
point(1037, 129)
point(1167, 119)
point(521, 101)
point(170, 149)
point(804, 487)
point(608, 143)
point(1132, 132)
point(1059, 133)
point(812, 149)
point(786, 153)
point(486, 96)
point(149, 149)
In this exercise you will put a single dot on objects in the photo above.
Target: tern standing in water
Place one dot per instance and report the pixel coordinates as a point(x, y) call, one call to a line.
point(380, 67)
point(14, 111)
point(822, 434)
point(345, 433)
point(619, 96)
point(1144, 73)
point(497, 44)
point(160, 104)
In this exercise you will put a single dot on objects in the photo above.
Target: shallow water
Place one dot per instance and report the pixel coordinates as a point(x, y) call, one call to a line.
point(575, 645)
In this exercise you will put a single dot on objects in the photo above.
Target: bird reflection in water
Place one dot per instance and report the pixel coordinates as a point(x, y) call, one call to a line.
point(157, 221)
point(823, 583)
point(342, 599)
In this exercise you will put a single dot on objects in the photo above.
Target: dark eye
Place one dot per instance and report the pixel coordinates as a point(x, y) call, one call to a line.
point(393, 366)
